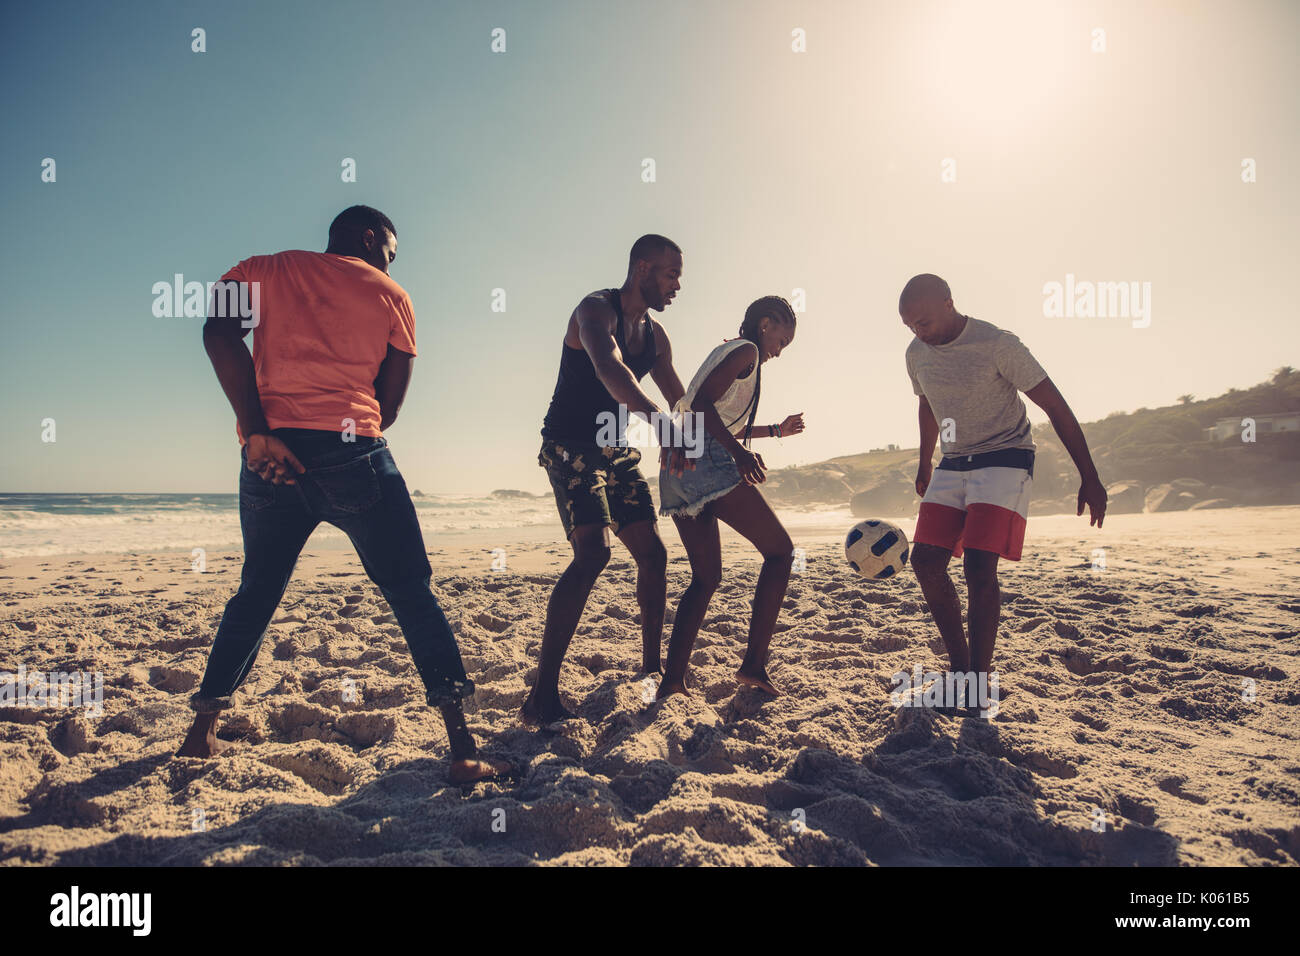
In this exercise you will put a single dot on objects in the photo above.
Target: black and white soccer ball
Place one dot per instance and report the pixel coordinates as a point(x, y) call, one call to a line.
point(876, 548)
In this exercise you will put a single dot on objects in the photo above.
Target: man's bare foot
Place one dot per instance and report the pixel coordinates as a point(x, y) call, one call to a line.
point(537, 715)
point(202, 741)
point(758, 680)
point(668, 688)
point(477, 768)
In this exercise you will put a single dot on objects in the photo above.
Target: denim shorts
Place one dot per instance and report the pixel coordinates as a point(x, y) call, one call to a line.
point(714, 475)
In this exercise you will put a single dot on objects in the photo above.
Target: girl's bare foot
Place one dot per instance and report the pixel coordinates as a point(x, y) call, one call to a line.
point(758, 680)
point(477, 768)
point(668, 688)
point(537, 715)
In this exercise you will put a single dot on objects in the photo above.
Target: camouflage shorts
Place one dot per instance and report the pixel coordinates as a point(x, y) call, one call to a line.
point(595, 485)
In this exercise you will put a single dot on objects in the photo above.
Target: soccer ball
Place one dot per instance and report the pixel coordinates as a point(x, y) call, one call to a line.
point(876, 549)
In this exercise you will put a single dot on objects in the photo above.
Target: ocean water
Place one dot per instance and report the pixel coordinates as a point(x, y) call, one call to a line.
point(38, 524)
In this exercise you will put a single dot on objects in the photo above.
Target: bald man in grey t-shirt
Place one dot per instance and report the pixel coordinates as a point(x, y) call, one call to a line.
point(968, 375)
point(973, 386)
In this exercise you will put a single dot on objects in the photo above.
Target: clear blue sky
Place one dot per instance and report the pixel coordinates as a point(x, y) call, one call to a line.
point(776, 170)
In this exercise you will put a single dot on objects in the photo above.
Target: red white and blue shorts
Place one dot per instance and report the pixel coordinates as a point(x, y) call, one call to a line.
point(978, 501)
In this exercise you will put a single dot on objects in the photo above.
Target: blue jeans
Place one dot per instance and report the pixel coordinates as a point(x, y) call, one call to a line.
point(356, 487)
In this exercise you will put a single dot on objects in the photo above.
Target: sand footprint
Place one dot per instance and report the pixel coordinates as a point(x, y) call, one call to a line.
point(321, 767)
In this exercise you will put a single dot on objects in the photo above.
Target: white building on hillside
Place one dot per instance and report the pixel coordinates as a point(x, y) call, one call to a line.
point(1226, 428)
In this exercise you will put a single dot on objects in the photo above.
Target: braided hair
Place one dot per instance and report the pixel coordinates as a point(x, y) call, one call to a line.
point(778, 310)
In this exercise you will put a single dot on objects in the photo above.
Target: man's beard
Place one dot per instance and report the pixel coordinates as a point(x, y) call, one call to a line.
point(650, 296)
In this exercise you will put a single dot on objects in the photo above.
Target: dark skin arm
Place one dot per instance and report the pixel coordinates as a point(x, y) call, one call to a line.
point(662, 373)
point(391, 384)
point(595, 321)
point(792, 425)
point(665, 376)
point(223, 339)
point(1091, 491)
point(929, 437)
point(751, 466)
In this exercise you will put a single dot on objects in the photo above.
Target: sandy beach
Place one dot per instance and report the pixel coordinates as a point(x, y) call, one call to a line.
point(1152, 718)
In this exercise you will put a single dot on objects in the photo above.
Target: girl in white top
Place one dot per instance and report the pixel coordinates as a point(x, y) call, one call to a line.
point(723, 485)
point(737, 401)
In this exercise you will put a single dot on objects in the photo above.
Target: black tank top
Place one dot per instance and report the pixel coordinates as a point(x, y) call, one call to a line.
point(579, 393)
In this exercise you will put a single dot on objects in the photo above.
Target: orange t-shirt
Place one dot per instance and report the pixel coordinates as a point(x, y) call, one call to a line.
point(324, 326)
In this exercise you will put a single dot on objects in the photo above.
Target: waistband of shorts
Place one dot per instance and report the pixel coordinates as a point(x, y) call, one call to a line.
point(1002, 458)
point(588, 445)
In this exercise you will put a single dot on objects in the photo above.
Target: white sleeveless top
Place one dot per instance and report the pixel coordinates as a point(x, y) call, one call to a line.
point(733, 405)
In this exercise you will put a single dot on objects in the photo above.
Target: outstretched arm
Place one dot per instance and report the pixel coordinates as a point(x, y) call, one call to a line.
point(1091, 492)
point(791, 425)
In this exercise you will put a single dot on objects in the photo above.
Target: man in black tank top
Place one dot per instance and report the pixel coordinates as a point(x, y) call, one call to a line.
point(611, 344)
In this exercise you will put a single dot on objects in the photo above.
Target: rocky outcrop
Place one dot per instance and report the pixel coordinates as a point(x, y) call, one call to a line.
point(1125, 498)
point(808, 485)
point(1168, 497)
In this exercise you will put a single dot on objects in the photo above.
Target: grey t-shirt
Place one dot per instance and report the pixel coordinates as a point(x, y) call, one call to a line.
point(972, 383)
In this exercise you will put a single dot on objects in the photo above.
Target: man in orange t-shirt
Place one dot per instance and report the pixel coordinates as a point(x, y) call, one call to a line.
point(335, 321)
point(333, 344)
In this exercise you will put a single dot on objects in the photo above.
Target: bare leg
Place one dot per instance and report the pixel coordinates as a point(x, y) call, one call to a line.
point(568, 600)
point(746, 510)
point(642, 540)
point(984, 597)
point(704, 549)
point(930, 562)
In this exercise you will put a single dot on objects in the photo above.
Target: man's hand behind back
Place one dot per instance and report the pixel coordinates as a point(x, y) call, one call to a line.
point(272, 459)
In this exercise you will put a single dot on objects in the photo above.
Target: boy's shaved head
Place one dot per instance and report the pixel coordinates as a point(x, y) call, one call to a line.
point(923, 288)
